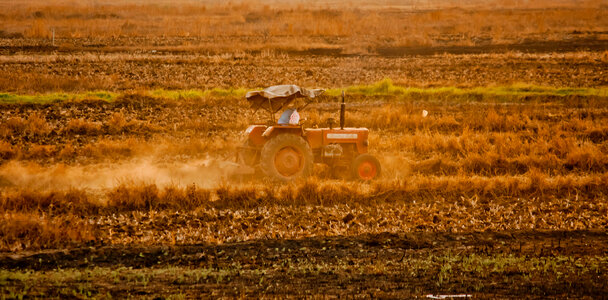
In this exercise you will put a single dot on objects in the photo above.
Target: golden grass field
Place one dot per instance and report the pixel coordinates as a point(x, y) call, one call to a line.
point(115, 133)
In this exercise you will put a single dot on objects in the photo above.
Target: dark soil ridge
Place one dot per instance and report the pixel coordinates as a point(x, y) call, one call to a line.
point(329, 249)
point(527, 45)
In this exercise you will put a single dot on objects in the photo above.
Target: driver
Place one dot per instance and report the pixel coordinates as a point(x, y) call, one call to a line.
point(289, 117)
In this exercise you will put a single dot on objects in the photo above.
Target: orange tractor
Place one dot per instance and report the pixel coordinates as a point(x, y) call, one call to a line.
point(285, 152)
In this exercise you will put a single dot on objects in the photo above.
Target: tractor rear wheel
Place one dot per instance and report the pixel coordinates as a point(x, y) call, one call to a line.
point(286, 157)
point(365, 167)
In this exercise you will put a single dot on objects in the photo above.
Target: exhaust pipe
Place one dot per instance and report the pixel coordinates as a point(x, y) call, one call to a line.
point(342, 110)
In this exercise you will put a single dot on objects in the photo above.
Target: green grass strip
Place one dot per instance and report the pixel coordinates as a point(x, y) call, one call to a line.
point(387, 88)
point(197, 94)
point(57, 97)
point(512, 93)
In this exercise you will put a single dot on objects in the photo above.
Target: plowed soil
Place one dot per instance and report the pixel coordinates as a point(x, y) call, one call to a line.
point(581, 64)
point(488, 264)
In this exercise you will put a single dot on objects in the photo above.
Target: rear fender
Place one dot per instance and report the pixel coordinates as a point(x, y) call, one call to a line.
point(272, 131)
point(255, 135)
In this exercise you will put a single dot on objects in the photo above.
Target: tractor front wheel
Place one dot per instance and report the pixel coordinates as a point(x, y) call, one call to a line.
point(286, 157)
point(365, 167)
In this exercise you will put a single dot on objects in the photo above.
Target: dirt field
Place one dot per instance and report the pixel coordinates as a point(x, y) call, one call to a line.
point(114, 145)
point(485, 265)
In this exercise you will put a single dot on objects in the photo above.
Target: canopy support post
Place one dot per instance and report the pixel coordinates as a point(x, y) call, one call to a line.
point(271, 111)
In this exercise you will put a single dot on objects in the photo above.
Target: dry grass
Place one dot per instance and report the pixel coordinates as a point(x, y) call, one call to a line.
point(33, 126)
point(294, 27)
point(146, 197)
point(7, 151)
point(54, 202)
point(149, 197)
point(82, 127)
point(151, 215)
point(38, 231)
point(110, 148)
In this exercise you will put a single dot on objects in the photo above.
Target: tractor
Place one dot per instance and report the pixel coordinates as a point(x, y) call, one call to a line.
point(284, 152)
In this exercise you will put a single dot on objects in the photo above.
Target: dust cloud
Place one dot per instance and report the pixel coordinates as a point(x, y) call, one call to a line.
point(203, 172)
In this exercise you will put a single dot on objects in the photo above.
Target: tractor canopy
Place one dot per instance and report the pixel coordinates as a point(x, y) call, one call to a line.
point(276, 97)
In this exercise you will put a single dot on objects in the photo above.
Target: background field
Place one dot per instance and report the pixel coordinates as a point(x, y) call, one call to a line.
point(114, 138)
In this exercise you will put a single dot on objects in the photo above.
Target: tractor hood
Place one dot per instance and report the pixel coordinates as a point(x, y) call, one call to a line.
point(276, 97)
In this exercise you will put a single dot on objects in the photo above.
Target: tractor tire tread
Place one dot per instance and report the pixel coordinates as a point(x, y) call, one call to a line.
point(278, 142)
point(365, 157)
